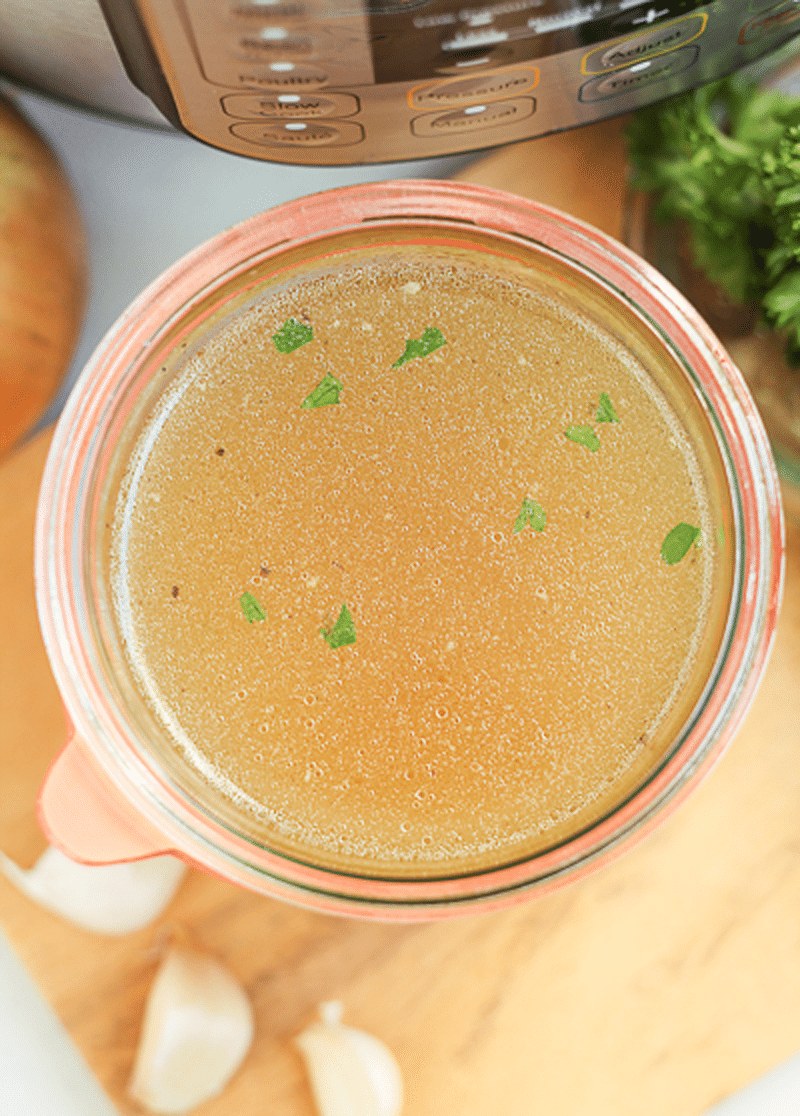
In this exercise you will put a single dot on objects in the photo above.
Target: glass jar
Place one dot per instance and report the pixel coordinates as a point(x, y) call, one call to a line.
point(109, 796)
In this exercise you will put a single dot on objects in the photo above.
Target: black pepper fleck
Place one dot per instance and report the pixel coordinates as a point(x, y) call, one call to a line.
point(175, 590)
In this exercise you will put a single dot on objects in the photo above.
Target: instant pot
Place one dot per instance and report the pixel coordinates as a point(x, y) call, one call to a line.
point(328, 82)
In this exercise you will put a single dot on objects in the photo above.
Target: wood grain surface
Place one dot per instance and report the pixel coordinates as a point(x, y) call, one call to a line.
point(656, 986)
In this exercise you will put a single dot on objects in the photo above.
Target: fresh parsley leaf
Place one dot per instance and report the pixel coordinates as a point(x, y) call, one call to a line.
point(782, 305)
point(252, 609)
point(605, 411)
point(781, 169)
point(531, 515)
point(292, 335)
point(431, 340)
point(679, 542)
point(584, 436)
point(723, 164)
point(324, 394)
point(342, 632)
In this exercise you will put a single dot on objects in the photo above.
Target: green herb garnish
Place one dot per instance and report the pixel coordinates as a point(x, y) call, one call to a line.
point(292, 335)
point(342, 632)
point(324, 394)
point(584, 436)
point(724, 163)
point(431, 340)
point(605, 411)
point(531, 515)
point(252, 609)
point(679, 542)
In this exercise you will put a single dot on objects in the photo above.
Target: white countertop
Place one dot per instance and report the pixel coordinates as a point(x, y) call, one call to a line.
point(147, 198)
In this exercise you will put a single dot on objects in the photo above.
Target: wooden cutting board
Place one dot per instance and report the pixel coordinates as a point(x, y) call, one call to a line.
point(657, 986)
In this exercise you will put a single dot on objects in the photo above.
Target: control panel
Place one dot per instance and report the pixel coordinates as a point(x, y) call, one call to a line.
point(356, 81)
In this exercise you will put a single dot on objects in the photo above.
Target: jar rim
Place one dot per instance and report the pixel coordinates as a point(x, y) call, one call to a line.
point(67, 486)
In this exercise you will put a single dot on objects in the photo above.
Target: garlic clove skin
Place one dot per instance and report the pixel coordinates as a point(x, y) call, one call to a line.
point(113, 899)
point(352, 1073)
point(197, 1029)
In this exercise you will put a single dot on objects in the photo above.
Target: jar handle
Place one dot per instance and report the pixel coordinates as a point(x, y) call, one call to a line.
point(84, 815)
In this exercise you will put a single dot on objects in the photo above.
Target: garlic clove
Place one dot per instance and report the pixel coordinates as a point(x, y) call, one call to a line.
point(110, 899)
point(197, 1028)
point(352, 1073)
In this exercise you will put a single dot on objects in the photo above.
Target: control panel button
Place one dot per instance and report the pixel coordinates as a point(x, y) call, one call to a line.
point(282, 75)
point(234, 43)
point(770, 22)
point(299, 133)
point(247, 106)
point(634, 77)
point(273, 43)
point(472, 90)
point(474, 118)
point(635, 48)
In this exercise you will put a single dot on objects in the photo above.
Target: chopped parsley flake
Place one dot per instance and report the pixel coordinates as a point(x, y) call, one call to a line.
point(584, 436)
point(252, 609)
point(678, 543)
point(292, 335)
point(606, 412)
point(342, 632)
point(531, 515)
point(324, 394)
point(431, 340)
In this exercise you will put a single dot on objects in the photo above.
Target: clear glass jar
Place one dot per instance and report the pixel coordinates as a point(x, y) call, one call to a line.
point(109, 797)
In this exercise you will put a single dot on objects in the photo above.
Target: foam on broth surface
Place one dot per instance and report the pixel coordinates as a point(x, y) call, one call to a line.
point(504, 687)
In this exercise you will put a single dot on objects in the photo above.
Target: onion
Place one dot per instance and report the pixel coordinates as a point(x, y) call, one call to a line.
point(106, 898)
point(42, 274)
point(197, 1028)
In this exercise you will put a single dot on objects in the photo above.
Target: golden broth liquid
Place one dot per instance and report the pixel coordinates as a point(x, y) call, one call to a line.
point(506, 688)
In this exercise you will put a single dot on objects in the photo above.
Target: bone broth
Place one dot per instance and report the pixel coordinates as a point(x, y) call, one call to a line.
point(419, 564)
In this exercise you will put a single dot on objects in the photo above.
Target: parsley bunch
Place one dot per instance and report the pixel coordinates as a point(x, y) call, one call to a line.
point(725, 160)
